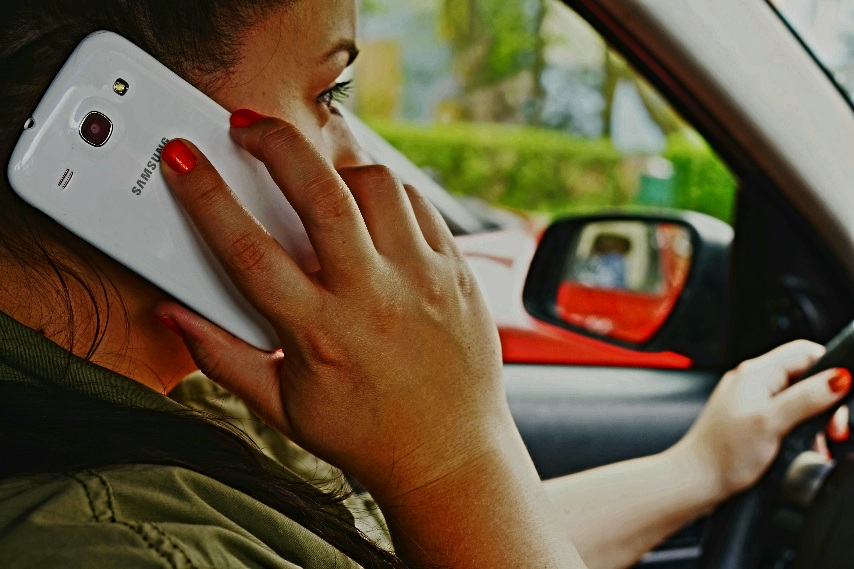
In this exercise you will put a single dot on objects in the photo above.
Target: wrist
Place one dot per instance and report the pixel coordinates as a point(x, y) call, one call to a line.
point(700, 469)
point(448, 465)
point(488, 511)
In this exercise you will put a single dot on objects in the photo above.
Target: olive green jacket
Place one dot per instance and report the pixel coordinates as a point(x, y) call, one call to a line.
point(146, 516)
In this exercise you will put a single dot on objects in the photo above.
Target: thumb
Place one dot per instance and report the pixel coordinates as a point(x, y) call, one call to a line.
point(245, 371)
point(811, 396)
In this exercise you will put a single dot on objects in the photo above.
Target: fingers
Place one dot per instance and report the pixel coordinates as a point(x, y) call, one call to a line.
point(810, 397)
point(347, 152)
point(839, 428)
point(436, 232)
point(250, 374)
point(323, 201)
point(783, 364)
point(386, 210)
point(258, 265)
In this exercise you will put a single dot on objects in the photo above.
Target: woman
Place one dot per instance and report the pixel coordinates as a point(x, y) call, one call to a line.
point(390, 368)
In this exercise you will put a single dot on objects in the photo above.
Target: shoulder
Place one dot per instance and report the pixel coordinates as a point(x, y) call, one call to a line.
point(147, 516)
point(198, 392)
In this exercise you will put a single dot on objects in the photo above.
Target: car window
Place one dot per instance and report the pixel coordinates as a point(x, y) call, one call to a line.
point(826, 28)
point(519, 109)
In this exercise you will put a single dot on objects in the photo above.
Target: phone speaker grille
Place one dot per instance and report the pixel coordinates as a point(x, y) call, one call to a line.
point(65, 179)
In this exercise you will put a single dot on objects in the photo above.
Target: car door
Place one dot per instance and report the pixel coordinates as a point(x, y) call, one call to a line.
point(790, 272)
point(788, 276)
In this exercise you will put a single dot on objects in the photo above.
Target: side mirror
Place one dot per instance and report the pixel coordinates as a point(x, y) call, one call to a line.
point(647, 282)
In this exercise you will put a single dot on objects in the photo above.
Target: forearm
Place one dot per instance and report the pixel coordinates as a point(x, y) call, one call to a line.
point(491, 513)
point(616, 513)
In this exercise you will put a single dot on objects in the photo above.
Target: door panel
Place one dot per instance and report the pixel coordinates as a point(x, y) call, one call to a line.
point(577, 418)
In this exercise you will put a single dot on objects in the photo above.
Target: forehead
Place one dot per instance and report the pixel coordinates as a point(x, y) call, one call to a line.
point(312, 27)
point(287, 50)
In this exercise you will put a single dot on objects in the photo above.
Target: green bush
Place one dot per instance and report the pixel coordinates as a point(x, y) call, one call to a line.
point(545, 171)
point(703, 182)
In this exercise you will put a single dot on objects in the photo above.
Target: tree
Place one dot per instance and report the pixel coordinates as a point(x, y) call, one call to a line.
point(498, 52)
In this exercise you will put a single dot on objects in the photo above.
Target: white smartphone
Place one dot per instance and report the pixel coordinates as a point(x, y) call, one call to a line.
point(89, 158)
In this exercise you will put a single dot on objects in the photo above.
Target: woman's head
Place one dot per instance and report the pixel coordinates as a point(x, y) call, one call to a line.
point(278, 57)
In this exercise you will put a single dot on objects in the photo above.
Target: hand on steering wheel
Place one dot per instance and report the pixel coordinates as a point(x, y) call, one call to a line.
point(749, 418)
point(739, 432)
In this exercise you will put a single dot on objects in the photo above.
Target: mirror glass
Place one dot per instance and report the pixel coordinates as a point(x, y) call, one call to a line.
point(621, 279)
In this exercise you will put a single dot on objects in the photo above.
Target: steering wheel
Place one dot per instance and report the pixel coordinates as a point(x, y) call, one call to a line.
point(741, 530)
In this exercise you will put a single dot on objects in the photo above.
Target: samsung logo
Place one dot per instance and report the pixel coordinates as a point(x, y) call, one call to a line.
point(149, 169)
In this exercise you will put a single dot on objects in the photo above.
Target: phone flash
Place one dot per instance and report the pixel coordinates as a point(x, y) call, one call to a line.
point(121, 87)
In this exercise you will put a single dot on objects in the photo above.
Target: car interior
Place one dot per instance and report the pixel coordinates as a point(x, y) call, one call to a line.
point(788, 275)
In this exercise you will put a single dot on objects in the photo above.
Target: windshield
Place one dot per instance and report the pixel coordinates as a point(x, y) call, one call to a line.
point(826, 27)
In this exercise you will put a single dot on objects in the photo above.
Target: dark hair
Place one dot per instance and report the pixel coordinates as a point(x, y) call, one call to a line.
point(200, 45)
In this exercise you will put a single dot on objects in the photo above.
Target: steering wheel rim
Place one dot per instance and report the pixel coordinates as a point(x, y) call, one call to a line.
point(734, 532)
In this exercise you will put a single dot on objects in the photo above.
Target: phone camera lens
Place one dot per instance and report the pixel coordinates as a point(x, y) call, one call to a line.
point(96, 129)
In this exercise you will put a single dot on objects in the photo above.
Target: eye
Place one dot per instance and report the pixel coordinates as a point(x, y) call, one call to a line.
point(338, 93)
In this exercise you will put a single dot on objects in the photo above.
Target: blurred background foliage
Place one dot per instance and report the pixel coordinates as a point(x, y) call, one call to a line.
point(543, 171)
point(520, 103)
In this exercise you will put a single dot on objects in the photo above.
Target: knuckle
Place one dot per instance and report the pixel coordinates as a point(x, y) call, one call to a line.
point(321, 349)
point(247, 253)
point(205, 194)
point(803, 345)
point(329, 200)
point(379, 173)
point(369, 173)
point(418, 200)
point(387, 316)
point(454, 286)
point(747, 369)
point(434, 289)
point(373, 179)
point(209, 362)
point(466, 282)
point(277, 140)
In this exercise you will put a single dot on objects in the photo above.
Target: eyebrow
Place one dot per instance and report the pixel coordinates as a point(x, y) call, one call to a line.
point(348, 46)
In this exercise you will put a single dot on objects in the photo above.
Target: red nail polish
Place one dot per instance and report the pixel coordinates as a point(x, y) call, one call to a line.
point(178, 156)
point(169, 323)
point(839, 436)
point(841, 381)
point(244, 117)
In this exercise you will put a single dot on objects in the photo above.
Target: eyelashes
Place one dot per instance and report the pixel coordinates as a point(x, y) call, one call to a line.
point(338, 93)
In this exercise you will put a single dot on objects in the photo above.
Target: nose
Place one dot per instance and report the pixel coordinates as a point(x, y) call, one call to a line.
point(346, 152)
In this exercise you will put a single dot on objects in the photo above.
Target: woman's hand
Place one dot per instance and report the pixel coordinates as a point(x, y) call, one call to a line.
point(738, 434)
point(391, 364)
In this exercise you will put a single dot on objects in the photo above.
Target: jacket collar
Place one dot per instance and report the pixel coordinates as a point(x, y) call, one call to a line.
point(27, 356)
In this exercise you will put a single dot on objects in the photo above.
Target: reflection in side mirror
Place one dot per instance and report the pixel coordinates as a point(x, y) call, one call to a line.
point(621, 279)
point(654, 283)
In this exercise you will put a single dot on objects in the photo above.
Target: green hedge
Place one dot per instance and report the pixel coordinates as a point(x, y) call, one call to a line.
point(703, 182)
point(550, 172)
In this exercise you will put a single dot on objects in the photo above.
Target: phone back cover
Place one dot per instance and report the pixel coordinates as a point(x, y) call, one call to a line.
point(114, 196)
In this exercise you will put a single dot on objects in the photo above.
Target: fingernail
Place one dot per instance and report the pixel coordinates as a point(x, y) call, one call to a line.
point(178, 156)
point(841, 381)
point(169, 323)
point(840, 436)
point(244, 117)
